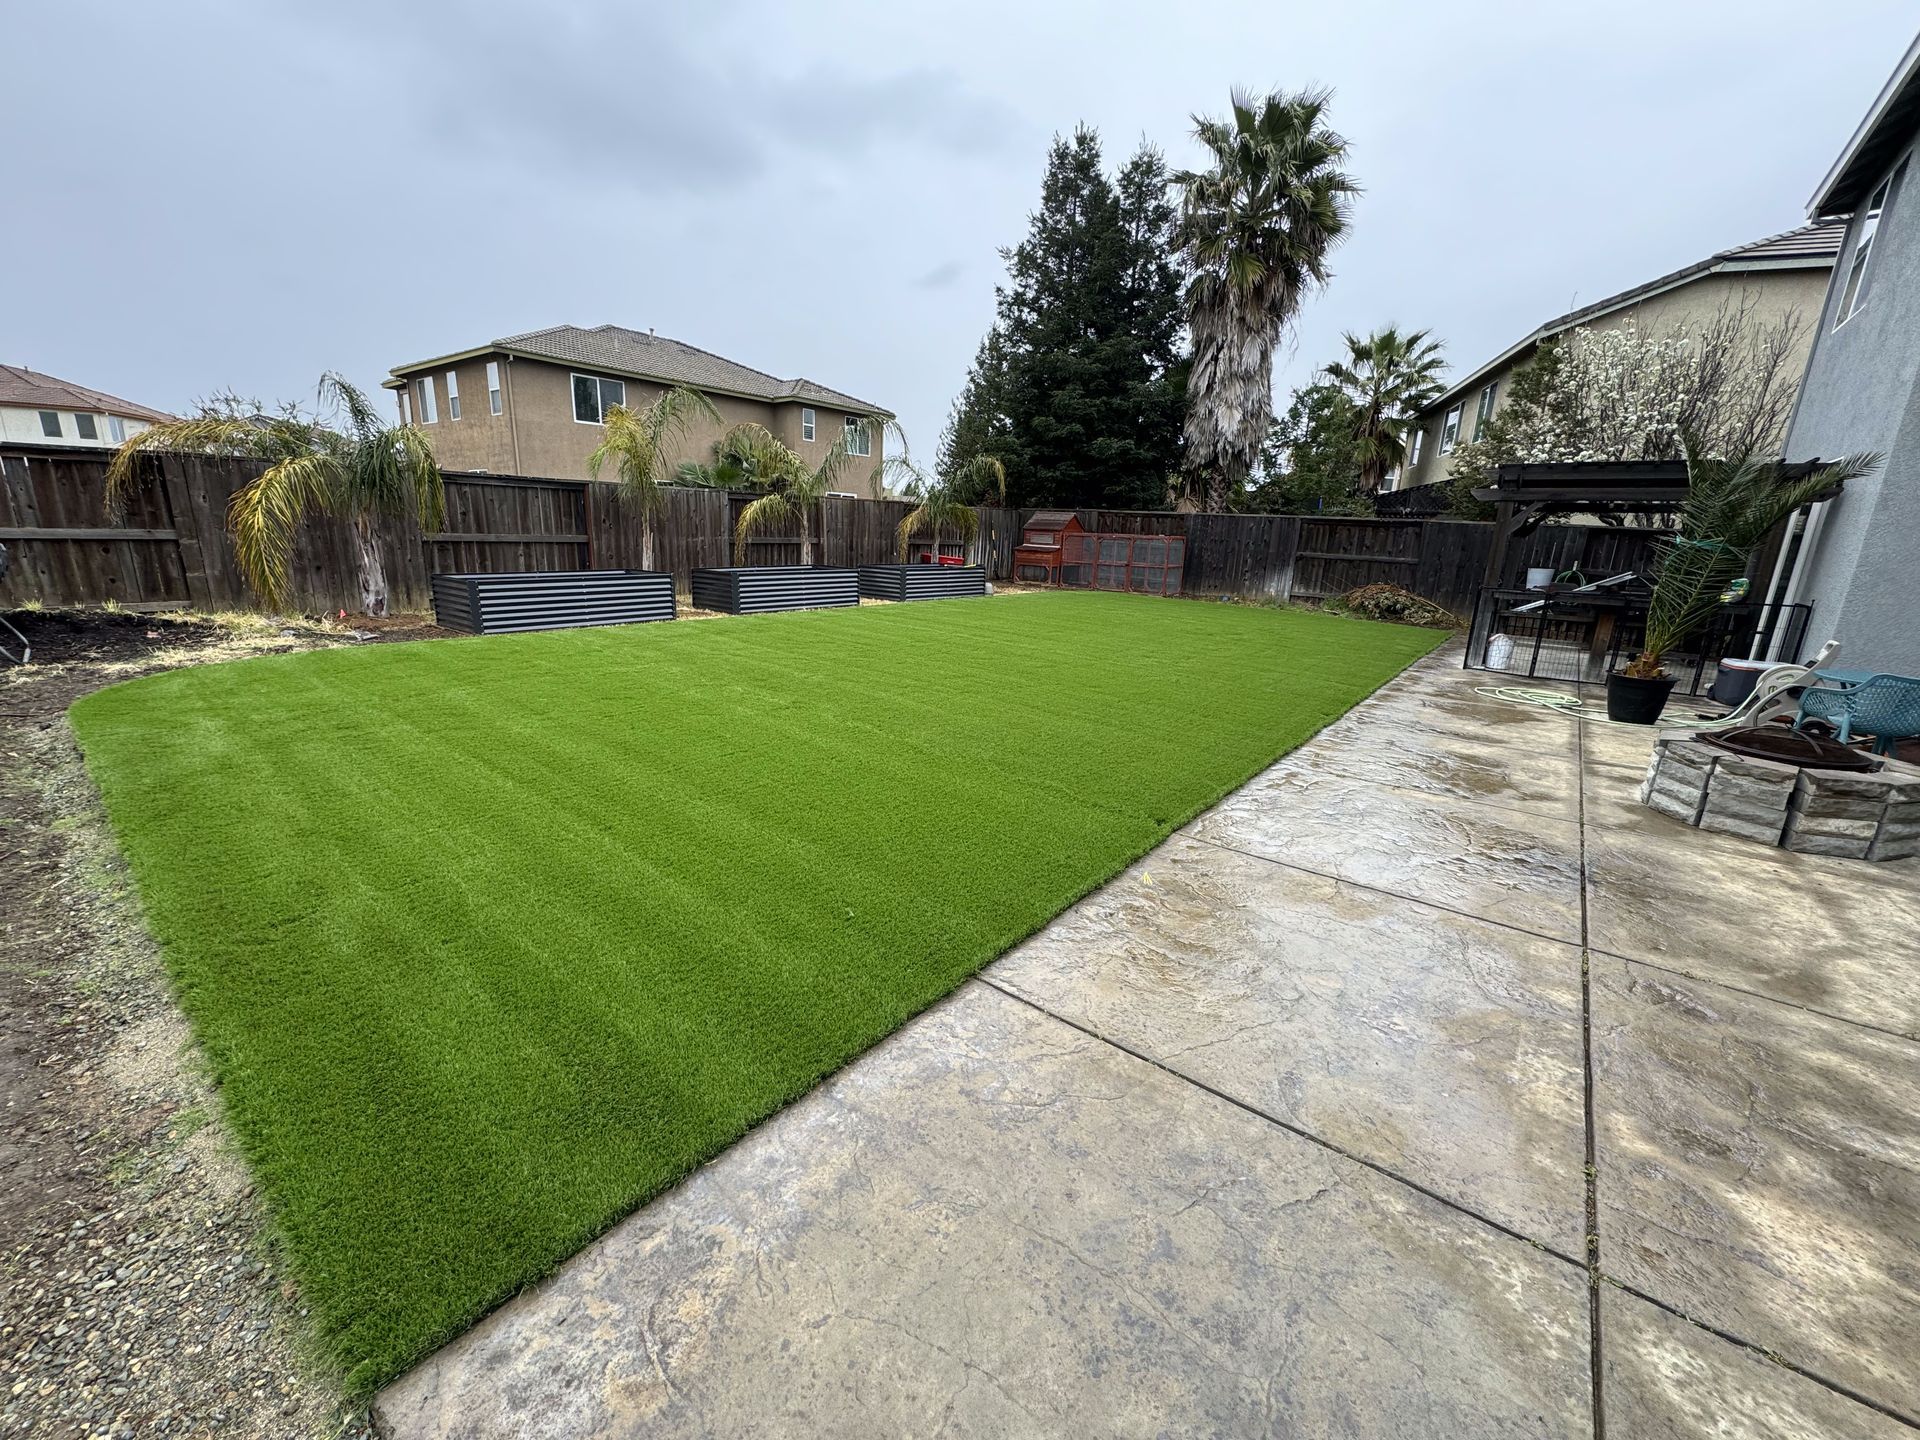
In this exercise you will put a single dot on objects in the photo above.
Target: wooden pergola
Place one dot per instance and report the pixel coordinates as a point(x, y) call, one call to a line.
point(1526, 496)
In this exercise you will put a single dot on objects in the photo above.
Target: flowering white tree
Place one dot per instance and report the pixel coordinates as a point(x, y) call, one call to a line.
point(1624, 393)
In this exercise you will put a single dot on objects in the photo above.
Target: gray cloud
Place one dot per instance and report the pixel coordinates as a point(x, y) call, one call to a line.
point(941, 277)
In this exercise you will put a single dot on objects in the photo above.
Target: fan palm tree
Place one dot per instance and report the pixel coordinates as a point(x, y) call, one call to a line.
point(640, 443)
point(1390, 378)
point(1255, 228)
point(1731, 506)
point(947, 502)
point(366, 472)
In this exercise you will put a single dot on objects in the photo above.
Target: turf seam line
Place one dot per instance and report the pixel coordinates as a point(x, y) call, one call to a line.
point(1285, 1125)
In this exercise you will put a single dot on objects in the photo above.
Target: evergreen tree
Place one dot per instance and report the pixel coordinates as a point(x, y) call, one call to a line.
point(1078, 387)
point(1310, 463)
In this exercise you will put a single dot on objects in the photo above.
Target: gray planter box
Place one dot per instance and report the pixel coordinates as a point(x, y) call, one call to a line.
point(551, 600)
point(762, 589)
point(921, 582)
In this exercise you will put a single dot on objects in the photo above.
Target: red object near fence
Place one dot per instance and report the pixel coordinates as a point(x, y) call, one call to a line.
point(1143, 564)
point(1041, 551)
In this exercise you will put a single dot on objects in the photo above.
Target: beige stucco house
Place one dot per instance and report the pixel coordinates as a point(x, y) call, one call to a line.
point(1772, 279)
point(37, 409)
point(532, 404)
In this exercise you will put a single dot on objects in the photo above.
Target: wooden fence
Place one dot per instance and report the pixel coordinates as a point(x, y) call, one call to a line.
point(170, 548)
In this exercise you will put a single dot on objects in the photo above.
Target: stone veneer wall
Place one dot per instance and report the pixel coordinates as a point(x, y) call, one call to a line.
point(1817, 812)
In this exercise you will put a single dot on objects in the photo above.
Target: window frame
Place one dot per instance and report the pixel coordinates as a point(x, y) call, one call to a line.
point(116, 429)
point(809, 424)
point(1483, 412)
point(856, 427)
point(1417, 449)
point(406, 404)
point(1853, 292)
point(429, 408)
point(453, 395)
point(493, 387)
point(50, 417)
point(600, 384)
point(1450, 429)
point(84, 427)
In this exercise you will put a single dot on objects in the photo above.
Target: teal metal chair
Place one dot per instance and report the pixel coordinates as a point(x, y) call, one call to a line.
point(1886, 707)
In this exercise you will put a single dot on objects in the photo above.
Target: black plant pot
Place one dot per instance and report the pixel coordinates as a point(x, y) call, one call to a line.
point(1634, 701)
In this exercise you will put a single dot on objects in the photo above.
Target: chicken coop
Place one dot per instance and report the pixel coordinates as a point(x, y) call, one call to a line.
point(1043, 540)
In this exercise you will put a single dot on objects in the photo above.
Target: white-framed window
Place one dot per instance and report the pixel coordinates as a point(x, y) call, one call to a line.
point(594, 395)
point(1450, 431)
point(83, 423)
point(50, 423)
point(453, 395)
point(1855, 295)
point(116, 429)
point(493, 386)
point(429, 406)
point(1419, 445)
point(1483, 412)
point(806, 423)
point(859, 436)
point(406, 406)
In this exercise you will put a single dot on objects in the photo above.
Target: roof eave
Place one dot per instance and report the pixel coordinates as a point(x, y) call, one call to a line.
point(1839, 193)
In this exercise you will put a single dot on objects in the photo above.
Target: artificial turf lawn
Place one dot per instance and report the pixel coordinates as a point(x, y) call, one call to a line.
point(489, 940)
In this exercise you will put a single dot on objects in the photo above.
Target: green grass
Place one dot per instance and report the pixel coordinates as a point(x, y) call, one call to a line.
point(489, 940)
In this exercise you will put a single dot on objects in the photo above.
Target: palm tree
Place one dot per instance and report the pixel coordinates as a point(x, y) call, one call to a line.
point(948, 502)
point(640, 444)
point(792, 489)
point(1390, 378)
point(1255, 228)
point(1731, 506)
point(366, 472)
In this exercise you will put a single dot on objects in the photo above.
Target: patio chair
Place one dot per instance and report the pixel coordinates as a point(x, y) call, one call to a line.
point(1886, 707)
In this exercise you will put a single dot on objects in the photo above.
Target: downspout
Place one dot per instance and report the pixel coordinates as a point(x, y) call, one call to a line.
point(513, 412)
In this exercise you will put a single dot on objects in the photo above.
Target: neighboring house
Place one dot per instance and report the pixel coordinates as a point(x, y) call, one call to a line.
point(1776, 277)
point(532, 404)
point(40, 410)
point(1858, 562)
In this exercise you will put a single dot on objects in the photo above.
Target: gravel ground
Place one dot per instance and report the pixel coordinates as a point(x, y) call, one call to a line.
point(141, 1291)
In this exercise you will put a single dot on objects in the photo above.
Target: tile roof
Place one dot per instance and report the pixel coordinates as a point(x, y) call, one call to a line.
point(647, 356)
point(1808, 247)
point(34, 391)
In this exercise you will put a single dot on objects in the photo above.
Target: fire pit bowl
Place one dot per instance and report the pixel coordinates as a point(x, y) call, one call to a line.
point(1799, 792)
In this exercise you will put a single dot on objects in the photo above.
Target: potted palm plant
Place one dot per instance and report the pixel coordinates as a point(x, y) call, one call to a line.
point(1731, 506)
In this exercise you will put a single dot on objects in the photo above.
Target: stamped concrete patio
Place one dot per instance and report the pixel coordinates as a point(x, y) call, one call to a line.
point(1305, 1125)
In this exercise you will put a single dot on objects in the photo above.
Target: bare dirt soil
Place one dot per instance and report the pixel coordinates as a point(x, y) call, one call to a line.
point(140, 1286)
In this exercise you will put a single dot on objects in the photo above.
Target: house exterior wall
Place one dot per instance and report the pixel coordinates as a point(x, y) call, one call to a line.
point(535, 433)
point(23, 426)
point(1774, 294)
point(1860, 568)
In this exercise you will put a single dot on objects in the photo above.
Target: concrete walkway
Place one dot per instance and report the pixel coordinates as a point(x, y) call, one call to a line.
point(1301, 1127)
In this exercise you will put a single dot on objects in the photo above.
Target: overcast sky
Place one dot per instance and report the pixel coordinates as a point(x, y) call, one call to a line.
point(205, 196)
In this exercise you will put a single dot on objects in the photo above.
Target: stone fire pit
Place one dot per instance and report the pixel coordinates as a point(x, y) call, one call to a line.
point(1817, 812)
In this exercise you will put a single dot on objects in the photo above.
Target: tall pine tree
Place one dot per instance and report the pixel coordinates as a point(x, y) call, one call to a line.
point(1079, 387)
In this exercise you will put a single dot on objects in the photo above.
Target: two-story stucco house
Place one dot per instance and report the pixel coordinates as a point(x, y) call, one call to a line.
point(532, 404)
point(1858, 557)
point(38, 409)
point(1771, 279)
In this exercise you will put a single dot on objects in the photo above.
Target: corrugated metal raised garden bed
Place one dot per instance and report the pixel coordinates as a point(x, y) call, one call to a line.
point(551, 600)
point(761, 589)
point(921, 582)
